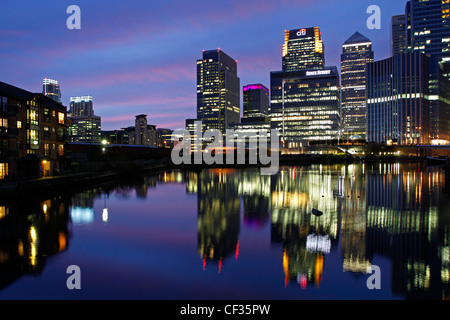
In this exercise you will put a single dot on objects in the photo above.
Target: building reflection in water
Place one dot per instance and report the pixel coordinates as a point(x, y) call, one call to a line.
point(31, 231)
point(408, 221)
point(396, 211)
point(391, 210)
point(306, 238)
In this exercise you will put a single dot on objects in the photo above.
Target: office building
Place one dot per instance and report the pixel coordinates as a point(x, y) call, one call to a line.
point(256, 101)
point(52, 90)
point(85, 126)
point(356, 53)
point(32, 134)
point(428, 31)
point(303, 49)
point(85, 129)
point(256, 114)
point(398, 35)
point(305, 106)
point(218, 90)
point(81, 106)
point(397, 100)
point(429, 24)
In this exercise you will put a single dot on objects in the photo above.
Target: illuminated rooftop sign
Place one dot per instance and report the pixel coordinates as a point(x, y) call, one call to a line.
point(318, 73)
point(255, 87)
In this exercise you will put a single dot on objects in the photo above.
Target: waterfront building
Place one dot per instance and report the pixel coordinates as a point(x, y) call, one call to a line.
point(52, 90)
point(398, 100)
point(428, 31)
point(85, 129)
point(305, 106)
point(218, 91)
point(356, 53)
point(32, 133)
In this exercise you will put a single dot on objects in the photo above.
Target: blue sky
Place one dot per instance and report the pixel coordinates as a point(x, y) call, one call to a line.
point(139, 56)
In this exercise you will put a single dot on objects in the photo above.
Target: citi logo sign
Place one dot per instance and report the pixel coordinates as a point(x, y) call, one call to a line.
point(301, 32)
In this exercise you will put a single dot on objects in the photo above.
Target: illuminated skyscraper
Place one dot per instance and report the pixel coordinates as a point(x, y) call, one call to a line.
point(303, 49)
point(429, 24)
point(81, 106)
point(305, 106)
point(356, 53)
point(51, 89)
point(397, 100)
point(218, 90)
point(305, 95)
point(86, 126)
point(398, 36)
point(428, 31)
point(256, 101)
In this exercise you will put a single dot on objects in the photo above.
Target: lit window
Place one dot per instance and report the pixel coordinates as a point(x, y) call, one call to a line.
point(3, 170)
point(60, 118)
point(19, 124)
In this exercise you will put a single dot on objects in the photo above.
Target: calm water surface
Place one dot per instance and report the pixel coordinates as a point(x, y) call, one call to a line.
point(234, 234)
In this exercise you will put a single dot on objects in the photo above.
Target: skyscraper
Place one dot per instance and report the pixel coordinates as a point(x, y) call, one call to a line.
point(218, 90)
point(356, 53)
point(303, 49)
point(305, 95)
point(428, 31)
point(429, 24)
point(305, 106)
point(86, 126)
point(256, 101)
point(397, 100)
point(51, 89)
point(398, 35)
point(81, 106)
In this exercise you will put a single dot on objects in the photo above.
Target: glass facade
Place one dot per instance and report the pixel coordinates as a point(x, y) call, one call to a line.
point(305, 106)
point(398, 40)
point(428, 31)
point(218, 91)
point(256, 101)
point(398, 100)
point(86, 129)
point(356, 53)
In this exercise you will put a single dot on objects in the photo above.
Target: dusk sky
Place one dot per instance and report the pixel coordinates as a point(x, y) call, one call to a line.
point(139, 56)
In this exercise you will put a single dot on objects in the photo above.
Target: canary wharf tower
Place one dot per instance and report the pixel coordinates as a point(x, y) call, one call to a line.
point(305, 95)
point(218, 91)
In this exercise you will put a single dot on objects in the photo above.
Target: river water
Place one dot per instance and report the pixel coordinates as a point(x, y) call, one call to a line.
point(383, 233)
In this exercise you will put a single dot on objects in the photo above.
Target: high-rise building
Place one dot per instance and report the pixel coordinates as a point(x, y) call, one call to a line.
point(429, 24)
point(397, 100)
point(303, 49)
point(81, 106)
point(256, 101)
point(305, 106)
point(305, 95)
point(52, 90)
point(86, 126)
point(398, 35)
point(356, 53)
point(428, 31)
point(218, 90)
point(85, 129)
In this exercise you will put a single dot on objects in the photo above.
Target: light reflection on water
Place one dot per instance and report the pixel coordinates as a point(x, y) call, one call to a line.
point(227, 234)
